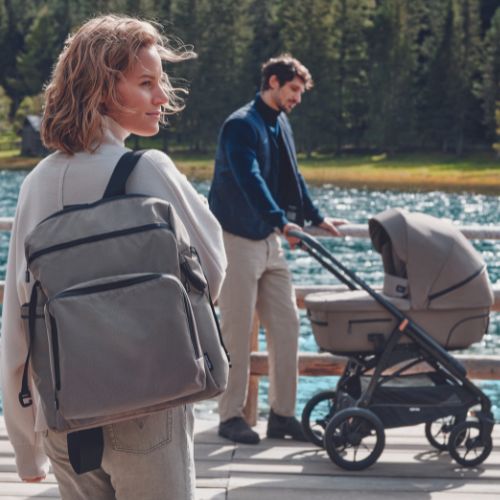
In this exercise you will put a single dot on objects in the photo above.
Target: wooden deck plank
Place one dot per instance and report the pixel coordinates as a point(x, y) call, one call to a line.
point(286, 470)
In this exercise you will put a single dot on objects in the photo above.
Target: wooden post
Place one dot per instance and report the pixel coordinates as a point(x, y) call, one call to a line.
point(251, 409)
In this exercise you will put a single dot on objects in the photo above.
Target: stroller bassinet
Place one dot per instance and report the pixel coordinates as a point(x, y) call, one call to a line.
point(432, 274)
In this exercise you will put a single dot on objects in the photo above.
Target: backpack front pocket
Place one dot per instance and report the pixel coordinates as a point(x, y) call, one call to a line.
point(121, 343)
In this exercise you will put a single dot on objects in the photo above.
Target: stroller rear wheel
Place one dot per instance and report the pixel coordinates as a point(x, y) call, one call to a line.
point(354, 438)
point(469, 445)
point(316, 414)
point(438, 431)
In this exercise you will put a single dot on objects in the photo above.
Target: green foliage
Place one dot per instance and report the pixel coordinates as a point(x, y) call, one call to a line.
point(392, 106)
point(389, 74)
point(31, 105)
point(496, 144)
point(306, 33)
point(463, 71)
point(32, 36)
point(489, 88)
point(220, 39)
point(352, 20)
point(5, 126)
point(43, 42)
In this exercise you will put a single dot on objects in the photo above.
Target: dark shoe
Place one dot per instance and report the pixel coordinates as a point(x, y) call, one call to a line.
point(279, 427)
point(236, 429)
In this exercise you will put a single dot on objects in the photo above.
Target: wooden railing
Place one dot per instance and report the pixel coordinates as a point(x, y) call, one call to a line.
point(320, 364)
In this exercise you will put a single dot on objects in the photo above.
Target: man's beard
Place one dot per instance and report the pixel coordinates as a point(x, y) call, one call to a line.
point(286, 110)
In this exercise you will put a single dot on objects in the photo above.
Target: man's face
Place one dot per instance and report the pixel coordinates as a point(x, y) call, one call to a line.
point(286, 97)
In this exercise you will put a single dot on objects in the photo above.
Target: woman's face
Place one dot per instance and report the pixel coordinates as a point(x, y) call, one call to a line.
point(140, 93)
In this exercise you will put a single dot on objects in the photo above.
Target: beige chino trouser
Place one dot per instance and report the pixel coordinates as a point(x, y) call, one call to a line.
point(149, 458)
point(258, 278)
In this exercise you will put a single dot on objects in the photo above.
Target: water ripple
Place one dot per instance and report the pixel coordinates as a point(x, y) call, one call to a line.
point(356, 205)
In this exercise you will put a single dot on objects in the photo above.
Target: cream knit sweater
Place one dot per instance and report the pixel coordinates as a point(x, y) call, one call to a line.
point(60, 180)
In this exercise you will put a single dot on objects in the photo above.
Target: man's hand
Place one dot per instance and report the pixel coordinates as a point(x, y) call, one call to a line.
point(293, 242)
point(331, 225)
point(36, 479)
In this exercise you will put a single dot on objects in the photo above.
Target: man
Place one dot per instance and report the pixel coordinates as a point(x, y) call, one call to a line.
point(256, 194)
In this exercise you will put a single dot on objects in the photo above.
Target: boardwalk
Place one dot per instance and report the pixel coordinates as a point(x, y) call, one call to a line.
point(277, 470)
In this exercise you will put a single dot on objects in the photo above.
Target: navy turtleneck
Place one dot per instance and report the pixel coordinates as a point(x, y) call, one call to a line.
point(269, 114)
point(270, 117)
point(282, 181)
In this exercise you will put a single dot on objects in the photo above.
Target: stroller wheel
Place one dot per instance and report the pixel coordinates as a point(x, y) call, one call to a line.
point(468, 445)
point(438, 431)
point(354, 438)
point(316, 414)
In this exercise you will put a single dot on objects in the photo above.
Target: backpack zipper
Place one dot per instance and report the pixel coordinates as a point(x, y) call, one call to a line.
point(85, 206)
point(92, 239)
point(55, 353)
point(190, 323)
point(88, 290)
point(103, 287)
point(212, 307)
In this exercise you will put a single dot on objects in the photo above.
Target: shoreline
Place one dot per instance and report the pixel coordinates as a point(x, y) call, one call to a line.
point(398, 179)
point(437, 177)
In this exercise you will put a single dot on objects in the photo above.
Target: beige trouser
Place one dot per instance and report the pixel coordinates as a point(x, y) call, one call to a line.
point(148, 458)
point(258, 279)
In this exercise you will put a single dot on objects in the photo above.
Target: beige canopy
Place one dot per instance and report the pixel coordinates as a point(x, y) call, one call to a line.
point(429, 261)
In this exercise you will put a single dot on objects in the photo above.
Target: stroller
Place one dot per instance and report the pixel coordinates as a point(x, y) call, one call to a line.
point(436, 298)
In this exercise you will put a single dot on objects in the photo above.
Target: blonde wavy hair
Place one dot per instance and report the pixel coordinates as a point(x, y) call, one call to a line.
point(86, 74)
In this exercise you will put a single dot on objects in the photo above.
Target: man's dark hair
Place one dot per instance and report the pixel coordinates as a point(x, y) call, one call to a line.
point(286, 68)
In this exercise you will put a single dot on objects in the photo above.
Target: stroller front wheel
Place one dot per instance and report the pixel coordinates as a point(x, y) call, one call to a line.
point(354, 438)
point(316, 414)
point(438, 431)
point(469, 445)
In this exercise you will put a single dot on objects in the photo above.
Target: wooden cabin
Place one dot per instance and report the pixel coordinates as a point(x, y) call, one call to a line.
point(31, 143)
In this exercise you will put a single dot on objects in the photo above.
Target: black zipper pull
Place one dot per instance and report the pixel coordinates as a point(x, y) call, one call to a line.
point(27, 275)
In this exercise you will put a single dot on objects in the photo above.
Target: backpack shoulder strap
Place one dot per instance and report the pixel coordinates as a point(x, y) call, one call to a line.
point(121, 172)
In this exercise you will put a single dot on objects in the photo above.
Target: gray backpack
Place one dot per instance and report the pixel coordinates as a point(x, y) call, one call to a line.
point(120, 323)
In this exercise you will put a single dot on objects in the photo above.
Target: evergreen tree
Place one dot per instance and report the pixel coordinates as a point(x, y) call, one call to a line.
point(349, 70)
point(496, 145)
point(5, 126)
point(81, 10)
point(392, 106)
point(427, 25)
point(436, 116)
point(306, 34)
point(42, 44)
point(463, 73)
point(160, 10)
point(14, 22)
point(265, 40)
point(214, 77)
point(388, 73)
point(490, 85)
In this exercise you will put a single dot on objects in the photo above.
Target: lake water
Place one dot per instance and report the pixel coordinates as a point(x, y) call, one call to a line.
point(356, 205)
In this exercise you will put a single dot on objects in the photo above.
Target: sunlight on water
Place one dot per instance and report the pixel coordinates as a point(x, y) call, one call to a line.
point(356, 205)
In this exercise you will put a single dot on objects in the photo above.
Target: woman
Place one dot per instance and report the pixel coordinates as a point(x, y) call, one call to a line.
point(107, 84)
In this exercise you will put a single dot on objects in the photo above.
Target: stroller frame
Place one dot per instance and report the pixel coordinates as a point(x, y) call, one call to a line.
point(355, 415)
